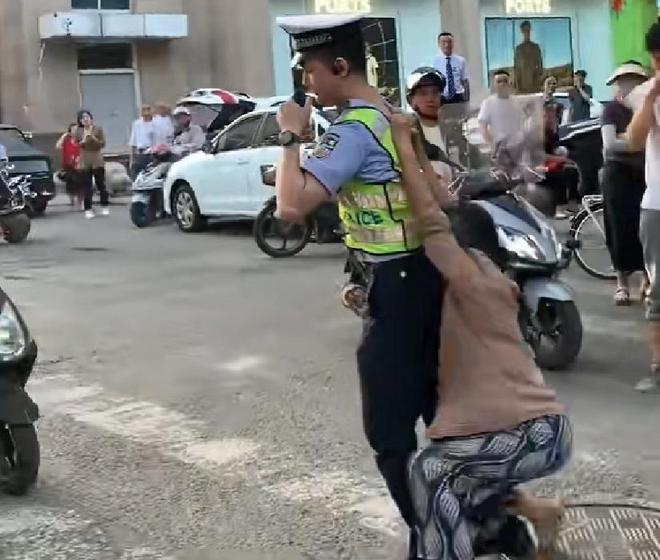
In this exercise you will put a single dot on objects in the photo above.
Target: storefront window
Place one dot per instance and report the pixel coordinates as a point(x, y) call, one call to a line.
point(382, 54)
point(383, 57)
point(531, 49)
point(101, 4)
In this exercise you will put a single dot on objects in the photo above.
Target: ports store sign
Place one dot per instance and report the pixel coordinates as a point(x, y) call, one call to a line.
point(515, 7)
point(342, 6)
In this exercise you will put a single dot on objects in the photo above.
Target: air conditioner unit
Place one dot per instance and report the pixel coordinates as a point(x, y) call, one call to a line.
point(70, 24)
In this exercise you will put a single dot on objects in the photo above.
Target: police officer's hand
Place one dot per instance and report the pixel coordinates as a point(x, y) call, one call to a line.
point(294, 118)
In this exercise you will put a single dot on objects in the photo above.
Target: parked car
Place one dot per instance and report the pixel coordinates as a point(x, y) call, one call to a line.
point(226, 181)
point(25, 159)
point(213, 108)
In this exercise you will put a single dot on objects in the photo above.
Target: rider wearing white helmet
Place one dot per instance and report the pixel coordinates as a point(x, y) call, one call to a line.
point(424, 88)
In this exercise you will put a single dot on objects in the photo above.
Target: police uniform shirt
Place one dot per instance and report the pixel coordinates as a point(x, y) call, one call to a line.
point(350, 151)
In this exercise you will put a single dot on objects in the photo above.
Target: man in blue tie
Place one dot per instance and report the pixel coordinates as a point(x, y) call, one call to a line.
point(454, 68)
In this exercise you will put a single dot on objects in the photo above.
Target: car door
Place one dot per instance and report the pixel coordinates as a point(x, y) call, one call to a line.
point(266, 152)
point(227, 187)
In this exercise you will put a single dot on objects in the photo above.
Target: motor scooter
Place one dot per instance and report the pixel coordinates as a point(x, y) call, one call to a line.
point(549, 318)
point(19, 446)
point(15, 193)
point(147, 189)
point(279, 239)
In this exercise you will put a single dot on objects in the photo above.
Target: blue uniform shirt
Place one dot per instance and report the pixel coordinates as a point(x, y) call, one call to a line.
point(349, 151)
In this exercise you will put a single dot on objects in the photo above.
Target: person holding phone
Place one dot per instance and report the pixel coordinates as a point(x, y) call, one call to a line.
point(356, 162)
point(70, 157)
point(91, 140)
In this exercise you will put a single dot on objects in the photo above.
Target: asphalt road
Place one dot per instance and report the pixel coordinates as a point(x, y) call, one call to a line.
point(201, 399)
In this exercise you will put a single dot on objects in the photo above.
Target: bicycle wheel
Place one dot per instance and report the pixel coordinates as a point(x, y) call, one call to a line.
point(593, 255)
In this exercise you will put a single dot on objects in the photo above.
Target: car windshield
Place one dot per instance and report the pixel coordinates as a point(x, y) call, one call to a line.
point(214, 117)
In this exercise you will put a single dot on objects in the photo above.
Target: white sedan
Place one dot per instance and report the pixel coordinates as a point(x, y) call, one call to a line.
point(226, 181)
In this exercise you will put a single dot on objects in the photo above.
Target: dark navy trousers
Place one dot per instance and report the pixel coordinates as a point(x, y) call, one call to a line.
point(397, 364)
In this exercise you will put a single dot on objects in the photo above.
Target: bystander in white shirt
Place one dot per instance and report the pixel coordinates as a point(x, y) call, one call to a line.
point(635, 100)
point(164, 129)
point(143, 134)
point(504, 118)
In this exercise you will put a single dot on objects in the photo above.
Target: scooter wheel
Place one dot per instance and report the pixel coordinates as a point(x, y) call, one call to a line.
point(20, 448)
point(277, 238)
point(559, 345)
point(15, 227)
point(141, 214)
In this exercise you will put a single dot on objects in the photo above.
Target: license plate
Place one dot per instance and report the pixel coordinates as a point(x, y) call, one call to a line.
point(140, 197)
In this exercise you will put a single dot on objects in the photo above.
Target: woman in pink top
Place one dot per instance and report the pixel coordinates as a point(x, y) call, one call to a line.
point(497, 425)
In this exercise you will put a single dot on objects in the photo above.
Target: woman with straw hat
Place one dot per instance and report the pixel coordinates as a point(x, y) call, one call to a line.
point(623, 183)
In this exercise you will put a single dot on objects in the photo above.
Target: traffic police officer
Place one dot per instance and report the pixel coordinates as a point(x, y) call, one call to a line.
point(356, 160)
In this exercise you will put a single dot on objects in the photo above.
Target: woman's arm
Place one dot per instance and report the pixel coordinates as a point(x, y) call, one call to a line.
point(99, 137)
point(643, 119)
point(441, 247)
point(60, 141)
point(612, 143)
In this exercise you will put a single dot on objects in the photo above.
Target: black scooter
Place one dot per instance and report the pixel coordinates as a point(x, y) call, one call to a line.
point(15, 194)
point(19, 446)
point(279, 239)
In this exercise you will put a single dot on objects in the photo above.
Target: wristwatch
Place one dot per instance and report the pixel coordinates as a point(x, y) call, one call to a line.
point(288, 138)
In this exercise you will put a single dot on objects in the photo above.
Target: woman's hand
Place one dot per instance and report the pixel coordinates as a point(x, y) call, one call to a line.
point(402, 131)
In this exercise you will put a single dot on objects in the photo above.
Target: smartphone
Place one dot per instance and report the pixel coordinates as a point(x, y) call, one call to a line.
point(300, 97)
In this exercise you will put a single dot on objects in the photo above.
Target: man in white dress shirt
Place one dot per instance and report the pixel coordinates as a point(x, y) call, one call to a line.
point(163, 124)
point(454, 69)
point(142, 139)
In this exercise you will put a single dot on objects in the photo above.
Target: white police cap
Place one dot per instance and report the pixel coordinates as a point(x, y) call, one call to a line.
point(310, 31)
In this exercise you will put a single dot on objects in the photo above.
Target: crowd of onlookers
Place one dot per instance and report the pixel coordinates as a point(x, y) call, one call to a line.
point(80, 147)
point(630, 177)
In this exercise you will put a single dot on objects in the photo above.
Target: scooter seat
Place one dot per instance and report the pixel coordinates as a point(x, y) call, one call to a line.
point(482, 184)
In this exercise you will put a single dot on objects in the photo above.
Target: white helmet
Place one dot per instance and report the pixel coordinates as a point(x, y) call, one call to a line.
point(181, 111)
point(424, 76)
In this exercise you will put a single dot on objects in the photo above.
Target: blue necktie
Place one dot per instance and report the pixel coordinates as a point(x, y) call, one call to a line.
point(451, 84)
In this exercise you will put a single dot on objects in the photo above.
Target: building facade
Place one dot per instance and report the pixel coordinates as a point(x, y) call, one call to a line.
point(109, 56)
point(591, 35)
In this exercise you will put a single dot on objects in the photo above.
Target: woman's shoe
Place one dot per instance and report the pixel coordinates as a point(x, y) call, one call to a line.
point(622, 297)
point(89, 214)
point(650, 383)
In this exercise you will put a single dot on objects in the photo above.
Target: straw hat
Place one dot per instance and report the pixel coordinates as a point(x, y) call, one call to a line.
point(629, 68)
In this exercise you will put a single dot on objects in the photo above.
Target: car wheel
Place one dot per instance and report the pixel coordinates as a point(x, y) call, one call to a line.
point(186, 210)
point(38, 205)
point(15, 227)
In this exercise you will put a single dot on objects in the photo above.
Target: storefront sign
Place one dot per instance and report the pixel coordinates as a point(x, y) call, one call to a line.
point(342, 6)
point(514, 7)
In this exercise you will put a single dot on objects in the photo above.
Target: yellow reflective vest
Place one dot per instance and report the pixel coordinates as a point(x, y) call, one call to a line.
point(376, 217)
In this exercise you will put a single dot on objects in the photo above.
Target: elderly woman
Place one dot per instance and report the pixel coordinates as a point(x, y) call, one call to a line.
point(498, 425)
point(623, 183)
